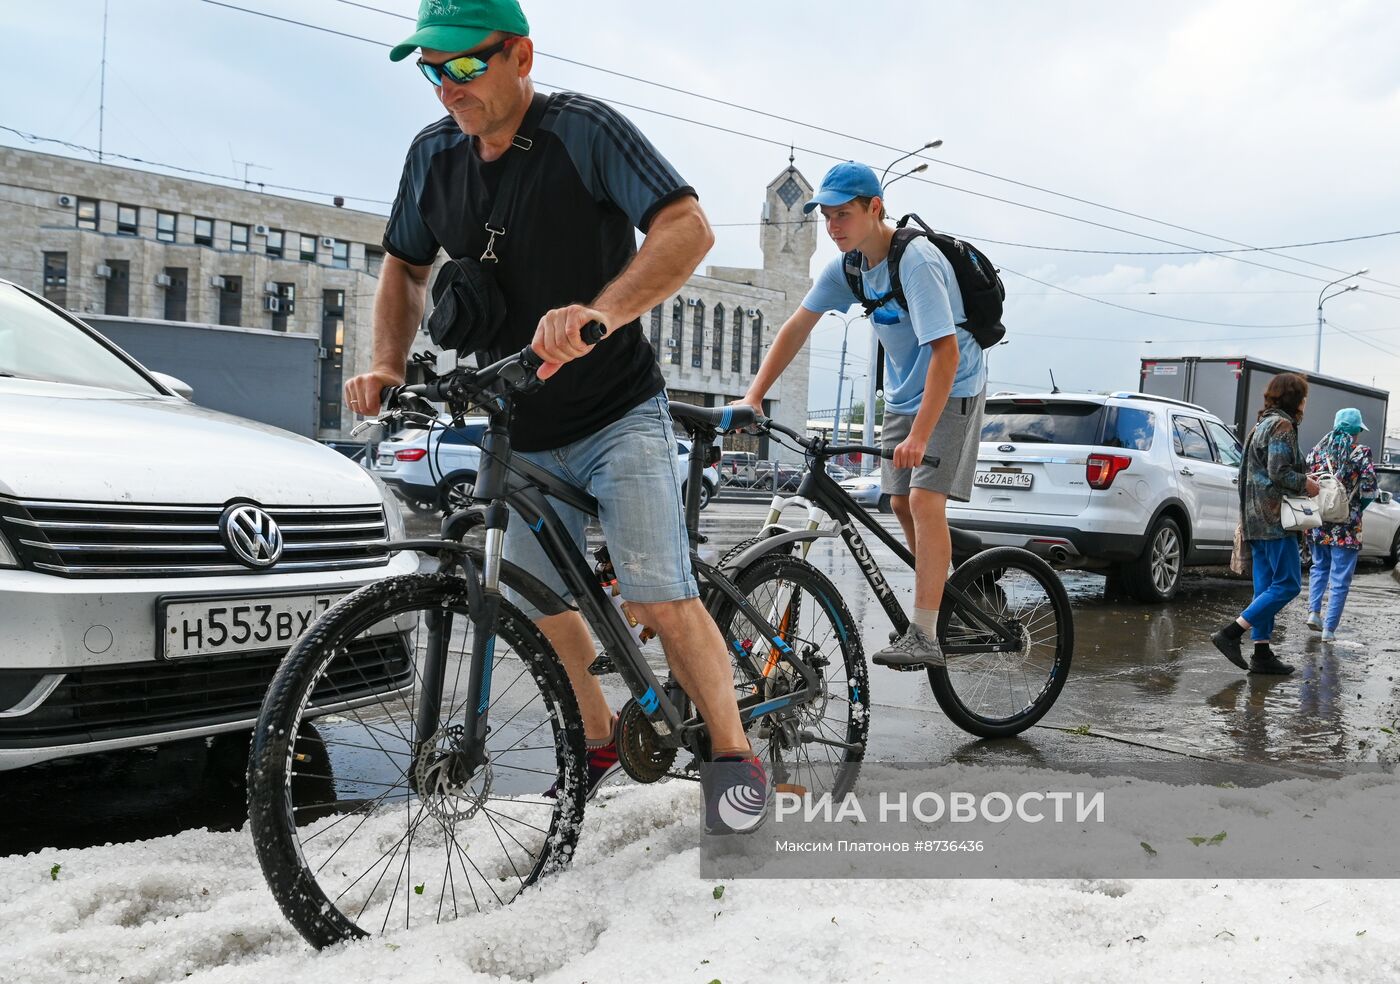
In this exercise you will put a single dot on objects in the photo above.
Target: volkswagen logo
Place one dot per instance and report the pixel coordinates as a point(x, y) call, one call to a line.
point(251, 535)
point(1006, 448)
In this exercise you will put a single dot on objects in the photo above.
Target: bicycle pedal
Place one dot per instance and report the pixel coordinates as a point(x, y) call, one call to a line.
point(602, 666)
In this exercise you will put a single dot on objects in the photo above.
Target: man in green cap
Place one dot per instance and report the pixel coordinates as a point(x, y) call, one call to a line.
point(584, 180)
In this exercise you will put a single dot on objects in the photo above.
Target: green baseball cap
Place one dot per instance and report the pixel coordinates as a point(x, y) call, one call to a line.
point(460, 25)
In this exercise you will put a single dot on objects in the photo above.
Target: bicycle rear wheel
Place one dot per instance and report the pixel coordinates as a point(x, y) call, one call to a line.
point(817, 746)
point(363, 824)
point(998, 694)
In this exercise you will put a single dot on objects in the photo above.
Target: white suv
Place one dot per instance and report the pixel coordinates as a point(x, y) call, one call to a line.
point(157, 558)
point(432, 469)
point(1130, 484)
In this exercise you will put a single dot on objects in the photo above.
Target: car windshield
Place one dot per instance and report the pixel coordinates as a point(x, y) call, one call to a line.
point(1040, 422)
point(36, 343)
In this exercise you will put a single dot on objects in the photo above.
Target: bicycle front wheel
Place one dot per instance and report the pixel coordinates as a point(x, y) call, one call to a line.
point(991, 693)
point(363, 824)
point(815, 746)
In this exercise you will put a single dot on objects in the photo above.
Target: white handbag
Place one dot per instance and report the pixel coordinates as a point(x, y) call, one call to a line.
point(1333, 499)
point(1299, 512)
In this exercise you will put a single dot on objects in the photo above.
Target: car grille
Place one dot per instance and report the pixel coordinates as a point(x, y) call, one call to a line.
point(127, 699)
point(79, 539)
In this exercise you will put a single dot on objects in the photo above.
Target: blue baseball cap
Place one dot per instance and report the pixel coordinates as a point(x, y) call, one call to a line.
point(844, 182)
point(1349, 419)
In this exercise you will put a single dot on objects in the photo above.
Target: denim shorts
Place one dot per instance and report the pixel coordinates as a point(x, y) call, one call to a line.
point(630, 468)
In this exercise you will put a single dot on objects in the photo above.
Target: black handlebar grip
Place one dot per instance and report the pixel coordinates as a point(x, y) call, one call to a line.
point(593, 332)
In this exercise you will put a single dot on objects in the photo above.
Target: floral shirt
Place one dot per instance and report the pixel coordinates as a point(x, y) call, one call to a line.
point(1340, 454)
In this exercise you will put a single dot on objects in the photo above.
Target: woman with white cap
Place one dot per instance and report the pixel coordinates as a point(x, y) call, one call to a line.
point(1335, 546)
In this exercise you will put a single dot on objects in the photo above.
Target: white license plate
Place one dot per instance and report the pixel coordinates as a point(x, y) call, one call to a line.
point(1005, 480)
point(232, 625)
point(386, 461)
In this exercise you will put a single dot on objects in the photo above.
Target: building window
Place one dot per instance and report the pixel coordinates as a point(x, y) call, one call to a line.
point(203, 232)
point(374, 260)
point(275, 240)
point(656, 332)
point(286, 298)
point(56, 278)
point(308, 248)
point(127, 220)
point(177, 294)
point(165, 227)
point(333, 365)
point(231, 302)
point(677, 327)
point(697, 335)
point(238, 238)
point(757, 352)
point(718, 342)
point(88, 213)
point(340, 254)
point(736, 353)
point(118, 300)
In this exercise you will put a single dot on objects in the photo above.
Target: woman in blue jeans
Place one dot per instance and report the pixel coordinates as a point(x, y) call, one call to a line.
point(1335, 546)
point(1272, 468)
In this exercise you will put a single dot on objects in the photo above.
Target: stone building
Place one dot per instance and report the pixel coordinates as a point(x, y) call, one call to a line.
point(105, 240)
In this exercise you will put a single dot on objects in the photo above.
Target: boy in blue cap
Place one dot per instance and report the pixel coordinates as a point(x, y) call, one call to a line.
point(935, 382)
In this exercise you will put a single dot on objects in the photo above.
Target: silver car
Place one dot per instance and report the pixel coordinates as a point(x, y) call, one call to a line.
point(157, 558)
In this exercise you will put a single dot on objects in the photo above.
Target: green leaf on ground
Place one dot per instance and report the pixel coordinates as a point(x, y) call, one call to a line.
point(53, 872)
point(418, 889)
point(1148, 848)
point(1217, 838)
point(1083, 729)
point(719, 891)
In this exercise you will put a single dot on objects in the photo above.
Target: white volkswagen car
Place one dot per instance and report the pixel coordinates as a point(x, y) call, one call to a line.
point(157, 558)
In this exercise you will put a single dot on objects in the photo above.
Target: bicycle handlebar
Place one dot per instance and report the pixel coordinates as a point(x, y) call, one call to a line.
point(832, 450)
point(518, 372)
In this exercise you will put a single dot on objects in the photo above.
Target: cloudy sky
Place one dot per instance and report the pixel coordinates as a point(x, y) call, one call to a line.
point(1084, 133)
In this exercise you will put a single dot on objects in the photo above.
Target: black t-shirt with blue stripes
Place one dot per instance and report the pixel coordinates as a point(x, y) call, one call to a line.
point(589, 179)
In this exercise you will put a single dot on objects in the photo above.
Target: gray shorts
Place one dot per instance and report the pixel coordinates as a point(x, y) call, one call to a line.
point(956, 438)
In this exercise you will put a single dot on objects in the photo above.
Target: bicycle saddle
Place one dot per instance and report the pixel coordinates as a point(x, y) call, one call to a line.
point(716, 418)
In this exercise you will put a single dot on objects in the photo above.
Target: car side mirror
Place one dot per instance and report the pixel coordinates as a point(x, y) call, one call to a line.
point(177, 386)
point(1385, 498)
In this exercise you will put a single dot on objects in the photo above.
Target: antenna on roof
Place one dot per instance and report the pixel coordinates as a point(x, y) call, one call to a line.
point(102, 88)
point(1053, 388)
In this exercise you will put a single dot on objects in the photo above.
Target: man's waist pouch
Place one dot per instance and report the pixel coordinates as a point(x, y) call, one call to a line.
point(469, 310)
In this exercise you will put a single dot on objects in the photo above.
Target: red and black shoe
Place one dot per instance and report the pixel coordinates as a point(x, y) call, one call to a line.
point(602, 766)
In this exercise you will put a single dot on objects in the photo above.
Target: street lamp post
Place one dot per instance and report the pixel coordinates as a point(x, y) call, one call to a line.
point(841, 372)
point(1317, 356)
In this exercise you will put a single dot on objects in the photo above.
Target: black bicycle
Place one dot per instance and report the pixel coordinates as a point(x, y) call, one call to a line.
point(445, 772)
point(1005, 625)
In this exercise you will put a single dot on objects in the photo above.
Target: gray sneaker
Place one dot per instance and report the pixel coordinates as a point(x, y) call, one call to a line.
point(910, 650)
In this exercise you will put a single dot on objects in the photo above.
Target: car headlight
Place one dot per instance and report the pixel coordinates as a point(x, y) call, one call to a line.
point(393, 512)
point(7, 553)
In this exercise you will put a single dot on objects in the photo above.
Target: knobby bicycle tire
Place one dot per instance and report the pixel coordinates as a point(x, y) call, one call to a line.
point(283, 763)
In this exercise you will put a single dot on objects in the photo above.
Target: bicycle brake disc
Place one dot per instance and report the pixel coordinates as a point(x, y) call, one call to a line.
point(639, 748)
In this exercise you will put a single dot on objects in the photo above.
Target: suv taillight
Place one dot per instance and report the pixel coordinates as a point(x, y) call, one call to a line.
point(1102, 469)
point(412, 454)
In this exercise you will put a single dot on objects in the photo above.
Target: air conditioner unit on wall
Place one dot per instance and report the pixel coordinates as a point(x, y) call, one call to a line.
point(270, 287)
point(218, 283)
point(103, 271)
point(163, 280)
point(260, 229)
point(273, 304)
point(327, 241)
point(64, 201)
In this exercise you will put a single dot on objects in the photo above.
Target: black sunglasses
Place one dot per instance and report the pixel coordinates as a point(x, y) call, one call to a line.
point(463, 68)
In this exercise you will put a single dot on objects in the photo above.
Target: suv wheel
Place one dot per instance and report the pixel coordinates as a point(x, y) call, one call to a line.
point(455, 492)
point(705, 493)
point(1156, 575)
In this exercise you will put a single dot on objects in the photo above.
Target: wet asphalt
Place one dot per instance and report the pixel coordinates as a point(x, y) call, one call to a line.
point(1145, 684)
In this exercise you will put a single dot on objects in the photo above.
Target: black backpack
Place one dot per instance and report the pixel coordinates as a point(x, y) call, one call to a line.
point(981, 288)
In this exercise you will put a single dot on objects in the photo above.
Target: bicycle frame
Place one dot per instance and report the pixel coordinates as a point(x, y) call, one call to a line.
point(821, 491)
point(505, 479)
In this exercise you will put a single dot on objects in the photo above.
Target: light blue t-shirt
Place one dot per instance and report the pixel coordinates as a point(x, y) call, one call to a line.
point(935, 309)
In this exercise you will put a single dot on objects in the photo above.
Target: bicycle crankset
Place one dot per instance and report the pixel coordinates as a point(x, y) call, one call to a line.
point(639, 748)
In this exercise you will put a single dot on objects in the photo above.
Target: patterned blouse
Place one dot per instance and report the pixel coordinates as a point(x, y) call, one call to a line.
point(1272, 468)
point(1339, 453)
